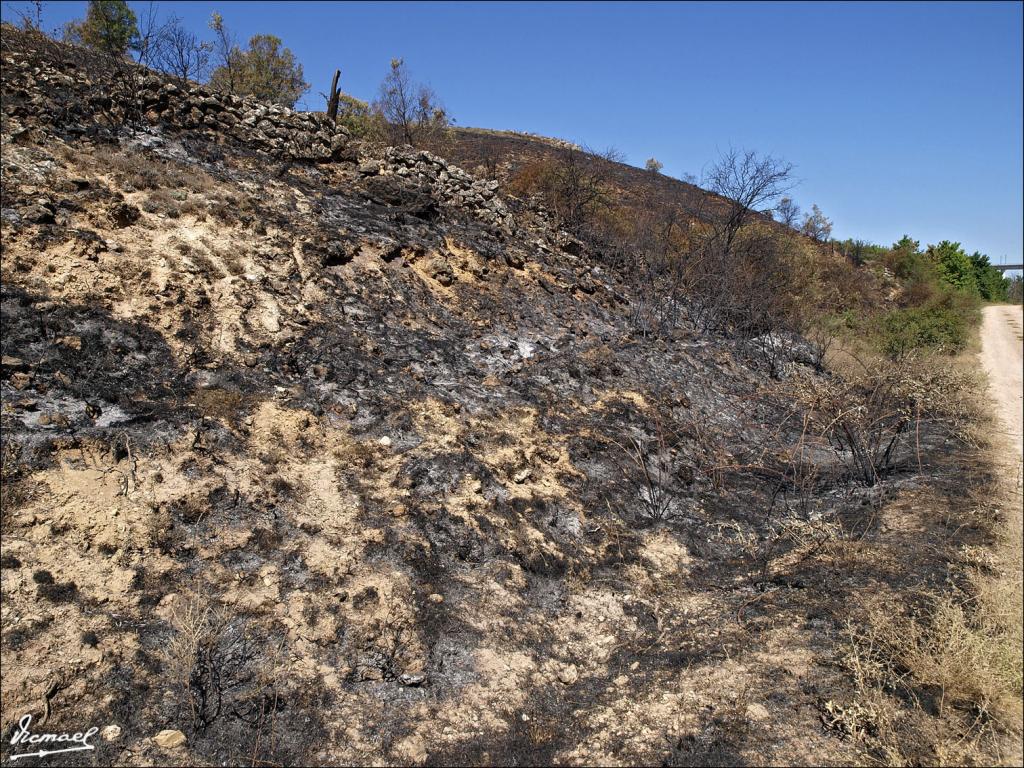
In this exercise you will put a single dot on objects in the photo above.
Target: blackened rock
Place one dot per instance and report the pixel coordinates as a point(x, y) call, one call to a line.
point(123, 214)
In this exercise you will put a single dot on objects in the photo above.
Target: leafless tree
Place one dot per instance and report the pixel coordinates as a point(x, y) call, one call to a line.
point(411, 109)
point(579, 189)
point(737, 274)
point(333, 96)
point(31, 16)
point(788, 211)
point(152, 36)
point(654, 165)
point(181, 54)
point(654, 258)
point(748, 181)
point(225, 50)
point(816, 225)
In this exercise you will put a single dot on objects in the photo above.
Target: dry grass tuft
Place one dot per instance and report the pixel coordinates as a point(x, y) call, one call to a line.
point(1000, 591)
point(938, 686)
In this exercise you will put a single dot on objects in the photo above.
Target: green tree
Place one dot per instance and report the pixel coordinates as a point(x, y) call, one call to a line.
point(109, 26)
point(361, 121)
point(907, 262)
point(265, 70)
point(906, 245)
point(928, 327)
point(860, 251)
point(991, 283)
point(954, 266)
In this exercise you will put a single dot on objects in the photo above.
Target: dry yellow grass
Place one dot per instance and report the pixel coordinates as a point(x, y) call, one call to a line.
point(947, 676)
point(1000, 590)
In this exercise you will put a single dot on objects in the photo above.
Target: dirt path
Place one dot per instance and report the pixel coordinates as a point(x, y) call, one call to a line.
point(1002, 340)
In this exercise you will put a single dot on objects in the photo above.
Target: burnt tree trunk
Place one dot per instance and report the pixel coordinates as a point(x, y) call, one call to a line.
point(332, 102)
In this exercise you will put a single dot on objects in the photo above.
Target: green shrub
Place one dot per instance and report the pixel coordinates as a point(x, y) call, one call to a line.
point(943, 324)
point(906, 261)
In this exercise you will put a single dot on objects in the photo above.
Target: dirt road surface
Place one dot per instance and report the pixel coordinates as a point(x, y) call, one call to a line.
point(1002, 341)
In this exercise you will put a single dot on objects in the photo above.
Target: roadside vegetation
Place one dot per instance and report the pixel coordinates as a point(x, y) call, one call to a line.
point(1015, 290)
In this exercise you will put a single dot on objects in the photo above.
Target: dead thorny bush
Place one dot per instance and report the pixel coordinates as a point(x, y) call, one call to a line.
point(389, 645)
point(1001, 601)
point(211, 661)
point(744, 290)
point(575, 186)
point(784, 533)
point(717, 738)
point(944, 650)
point(15, 488)
point(798, 518)
point(748, 288)
point(822, 337)
point(652, 467)
point(138, 172)
point(869, 415)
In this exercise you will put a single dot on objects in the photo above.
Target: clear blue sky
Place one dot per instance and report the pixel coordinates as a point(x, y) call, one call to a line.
point(899, 117)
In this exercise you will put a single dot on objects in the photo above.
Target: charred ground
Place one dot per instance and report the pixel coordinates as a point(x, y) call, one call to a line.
point(324, 452)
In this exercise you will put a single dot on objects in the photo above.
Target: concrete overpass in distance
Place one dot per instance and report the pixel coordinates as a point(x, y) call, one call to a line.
point(1008, 267)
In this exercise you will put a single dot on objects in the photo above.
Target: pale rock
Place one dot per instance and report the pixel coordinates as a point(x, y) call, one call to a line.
point(757, 712)
point(568, 674)
point(169, 739)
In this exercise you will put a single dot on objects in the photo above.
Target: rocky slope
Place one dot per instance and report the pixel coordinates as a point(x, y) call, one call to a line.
point(323, 453)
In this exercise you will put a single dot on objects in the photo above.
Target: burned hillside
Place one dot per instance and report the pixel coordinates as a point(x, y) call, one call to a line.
point(323, 452)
